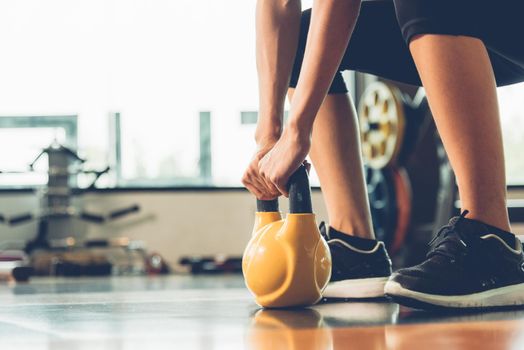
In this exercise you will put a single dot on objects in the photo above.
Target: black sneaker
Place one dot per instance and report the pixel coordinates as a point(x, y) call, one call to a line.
point(356, 272)
point(469, 265)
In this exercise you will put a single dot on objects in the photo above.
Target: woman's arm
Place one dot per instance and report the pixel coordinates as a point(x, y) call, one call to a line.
point(332, 23)
point(277, 30)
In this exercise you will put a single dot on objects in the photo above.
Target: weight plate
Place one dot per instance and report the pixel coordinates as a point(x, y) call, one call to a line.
point(383, 203)
point(403, 197)
point(382, 123)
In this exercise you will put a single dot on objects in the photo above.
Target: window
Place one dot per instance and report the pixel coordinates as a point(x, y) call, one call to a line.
point(511, 100)
point(163, 91)
point(22, 139)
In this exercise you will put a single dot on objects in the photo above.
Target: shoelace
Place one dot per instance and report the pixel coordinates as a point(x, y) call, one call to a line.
point(448, 245)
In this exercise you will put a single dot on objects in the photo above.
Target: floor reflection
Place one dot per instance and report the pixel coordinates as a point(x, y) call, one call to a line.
point(313, 328)
point(354, 313)
point(382, 325)
point(183, 312)
point(407, 315)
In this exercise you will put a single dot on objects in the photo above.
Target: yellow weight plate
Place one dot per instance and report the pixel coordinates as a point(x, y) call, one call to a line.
point(382, 122)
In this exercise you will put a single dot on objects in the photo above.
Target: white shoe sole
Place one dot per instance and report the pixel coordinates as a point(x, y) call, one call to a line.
point(504, 296)
point(356, 288)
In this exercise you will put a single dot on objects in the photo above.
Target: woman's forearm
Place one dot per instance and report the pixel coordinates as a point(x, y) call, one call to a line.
point(332, 23)
point(277, 30)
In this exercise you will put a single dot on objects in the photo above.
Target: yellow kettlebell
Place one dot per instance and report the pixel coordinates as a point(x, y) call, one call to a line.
point(287, 262)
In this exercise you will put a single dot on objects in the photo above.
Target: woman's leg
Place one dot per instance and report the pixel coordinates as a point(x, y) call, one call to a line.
point(335, 149)
point(460, 86)
point(335, 153)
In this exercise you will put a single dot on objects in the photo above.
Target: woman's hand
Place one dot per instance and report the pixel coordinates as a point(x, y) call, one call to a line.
point(253, 180)
point(285, 157)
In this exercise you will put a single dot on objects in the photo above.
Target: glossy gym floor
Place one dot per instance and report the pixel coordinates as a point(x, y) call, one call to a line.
point(182, 312)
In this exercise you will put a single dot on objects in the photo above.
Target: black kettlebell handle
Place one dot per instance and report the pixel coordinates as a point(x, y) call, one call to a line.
point(299, 195)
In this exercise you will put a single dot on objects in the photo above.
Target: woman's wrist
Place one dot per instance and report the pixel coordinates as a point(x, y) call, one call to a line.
point(267, 134)
point(300, 128)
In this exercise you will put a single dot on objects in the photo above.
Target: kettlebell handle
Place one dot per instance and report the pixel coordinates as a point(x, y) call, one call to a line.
point(299, 195)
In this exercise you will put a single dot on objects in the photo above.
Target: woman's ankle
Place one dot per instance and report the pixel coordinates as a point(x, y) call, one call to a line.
point(361, 229)
point(495, 218)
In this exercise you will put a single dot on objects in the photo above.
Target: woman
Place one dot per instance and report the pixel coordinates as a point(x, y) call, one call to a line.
point(459, 51)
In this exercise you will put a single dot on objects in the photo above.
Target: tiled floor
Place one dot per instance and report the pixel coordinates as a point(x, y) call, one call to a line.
point(182, 312)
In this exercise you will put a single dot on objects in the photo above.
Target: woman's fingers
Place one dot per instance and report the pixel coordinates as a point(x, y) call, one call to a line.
point(252, 188)
point(270, 187)
point(307, 165)
point(258, 186)
point(266, 193)
point(268, 172)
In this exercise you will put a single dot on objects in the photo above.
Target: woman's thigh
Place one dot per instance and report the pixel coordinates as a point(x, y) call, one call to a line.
point(376, 47)
point(379, 44)
point(497, 23)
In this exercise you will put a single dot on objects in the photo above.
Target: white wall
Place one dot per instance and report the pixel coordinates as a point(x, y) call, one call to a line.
point(171, 223)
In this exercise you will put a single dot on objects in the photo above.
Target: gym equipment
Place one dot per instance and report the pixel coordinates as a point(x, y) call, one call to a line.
point(447, 190)
point(382, 201)
point(389, 194)
point(287, 262)
point(411, 186)
point(403, 203)
point(389, 122)
point(14, 266)
point(219, 264)
point(71, 263)
point(57, 209)
point(99, 258)
point(58, 248)
point(382, 122)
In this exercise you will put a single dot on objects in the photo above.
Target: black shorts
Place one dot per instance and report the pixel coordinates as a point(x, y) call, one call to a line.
point(384, 27)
